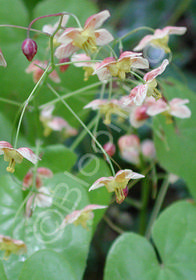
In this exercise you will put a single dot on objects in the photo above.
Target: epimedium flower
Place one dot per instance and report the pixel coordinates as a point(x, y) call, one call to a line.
point(14, 156)
point(88, 66)
point(41, 173)
point(50, 29)
point(37, 67)
point(2, 60)
point(10, 245)
point(176, 108)
point(139, 93)
point(54, 123)
point(81, 217)
point(160, 38)
point(131, 149)
point(129, 146)
point(107, 108)
point(87, 38)
point(42, 197)
point(112, 67)
point(117, 184)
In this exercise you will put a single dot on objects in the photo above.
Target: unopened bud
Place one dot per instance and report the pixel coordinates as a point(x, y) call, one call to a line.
point(109, 148)
point(63, 68)
point(29, 48)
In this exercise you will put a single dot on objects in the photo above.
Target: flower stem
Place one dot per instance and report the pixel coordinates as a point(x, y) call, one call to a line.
point(144, 198)
point(84, 126)
point(44, 75)
point(15, 103)
point(67, 95)
point(157, 206)
point(134, 31)
point(82, 135)
point(112, 225)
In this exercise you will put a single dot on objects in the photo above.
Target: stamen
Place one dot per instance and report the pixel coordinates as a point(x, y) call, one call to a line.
point(11, 166)
point(120, 195)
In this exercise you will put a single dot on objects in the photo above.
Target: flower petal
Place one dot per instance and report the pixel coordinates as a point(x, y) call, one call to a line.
point(103, 37)
point(148, 77)
point(101, 182)
point(144, 42)
point(96, 20)
point(64, 51)
point(175, 30)
point(140, 62)
point(28, 154)
point(158, 107)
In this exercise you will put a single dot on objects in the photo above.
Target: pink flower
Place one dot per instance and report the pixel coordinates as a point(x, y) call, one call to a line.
point(2, 60)
point(176, 107)
point(107, 108)
point(37, 67)
point(51, 123)
point(42, 172)
point(148, 149)
point(138, 115)
point(129, 146)
point(41, 198)
point(139, 93)
point(81, 217)
point(160, 38)
point(110, 67)
point(50, 29)
point(88, 66)
point(10, 245)
point(109, 148)
point(117, 184)
point(87, 38)
point(14, 156)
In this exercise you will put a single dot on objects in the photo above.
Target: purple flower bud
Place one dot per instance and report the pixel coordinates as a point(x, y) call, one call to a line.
point(29, 48)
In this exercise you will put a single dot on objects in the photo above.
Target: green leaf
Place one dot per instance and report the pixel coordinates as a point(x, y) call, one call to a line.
point(132, 257)
point(58, 158)
point(175, 142)
point(42, 230)
point(46, 264)
point(2, 272)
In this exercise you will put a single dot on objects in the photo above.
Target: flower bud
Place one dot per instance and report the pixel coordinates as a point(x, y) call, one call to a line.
point(109, 148)
point(63, 68)
point(29, 48)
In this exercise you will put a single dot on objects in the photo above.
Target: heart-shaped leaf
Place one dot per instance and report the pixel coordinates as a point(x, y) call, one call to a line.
point(132, 257)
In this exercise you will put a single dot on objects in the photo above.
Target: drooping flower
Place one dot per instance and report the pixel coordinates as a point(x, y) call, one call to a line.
point(129, 146)
point(139, 93)
point(88, 66)
point(148, 149)
point(87, 38)
point(41, 173)
point(10, 245)
point(117, 184)
point(81, 217)
point(110, 148)
point(176, 107)
point(54, 123)
point(131, 149)
point(138, 115)
point(107, 108)
point(38, 67)
point(50, 29)
point(42, 197)
point(111, 67)
point(2, 60)
point(14, 156)
point(160, 38)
